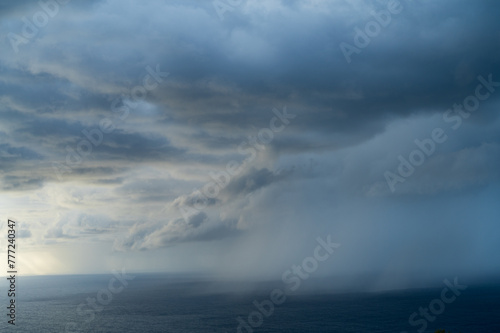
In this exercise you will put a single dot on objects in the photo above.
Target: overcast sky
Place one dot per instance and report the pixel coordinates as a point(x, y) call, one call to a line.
point(116, 115)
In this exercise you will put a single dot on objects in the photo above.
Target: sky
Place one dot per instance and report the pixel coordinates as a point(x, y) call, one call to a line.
point(224, 137)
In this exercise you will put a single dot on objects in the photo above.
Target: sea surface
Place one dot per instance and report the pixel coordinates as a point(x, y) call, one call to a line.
point(161, 303)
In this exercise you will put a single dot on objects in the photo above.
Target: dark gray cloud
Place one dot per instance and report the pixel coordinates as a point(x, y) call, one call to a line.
point(252, 181)
point(151, 236)
point(322, 173)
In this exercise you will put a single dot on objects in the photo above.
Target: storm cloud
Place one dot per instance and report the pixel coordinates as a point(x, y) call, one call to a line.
point(99, 145)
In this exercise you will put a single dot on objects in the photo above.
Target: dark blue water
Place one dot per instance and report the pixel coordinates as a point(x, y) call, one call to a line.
point(154, 303)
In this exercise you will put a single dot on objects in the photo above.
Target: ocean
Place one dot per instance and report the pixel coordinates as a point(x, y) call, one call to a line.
point(165, 303)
